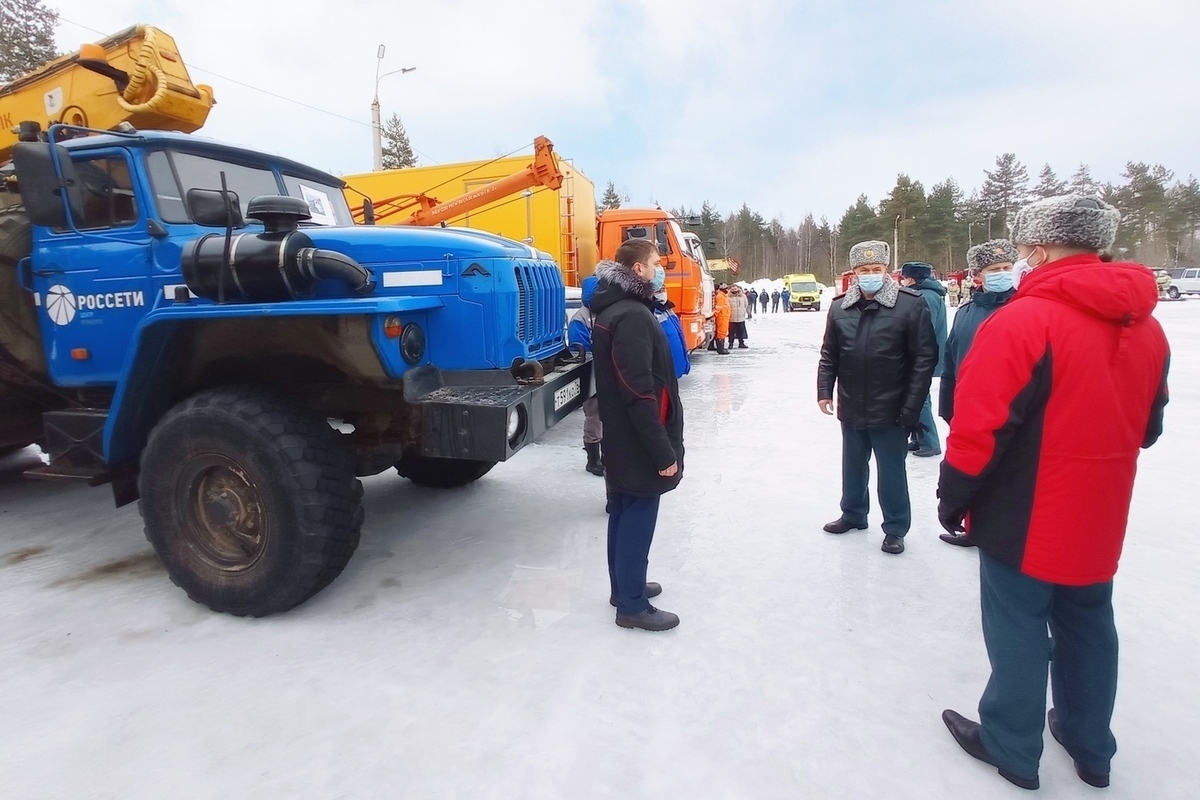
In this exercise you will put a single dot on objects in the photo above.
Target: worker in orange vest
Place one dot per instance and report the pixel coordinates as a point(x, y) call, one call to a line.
point(721, 317)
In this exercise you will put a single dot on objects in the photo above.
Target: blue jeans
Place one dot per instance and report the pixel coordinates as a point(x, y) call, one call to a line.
point(1080, 651)
point(928, 440)
point(890, 445)
point(631, 522)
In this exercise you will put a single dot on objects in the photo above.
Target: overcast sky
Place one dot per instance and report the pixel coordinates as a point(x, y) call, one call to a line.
point(787, 106)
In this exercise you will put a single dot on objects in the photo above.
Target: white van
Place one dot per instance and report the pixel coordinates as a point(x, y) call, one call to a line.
point(1184, 280)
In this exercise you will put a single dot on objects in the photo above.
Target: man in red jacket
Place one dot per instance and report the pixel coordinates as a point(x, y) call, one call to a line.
point(1060, 390)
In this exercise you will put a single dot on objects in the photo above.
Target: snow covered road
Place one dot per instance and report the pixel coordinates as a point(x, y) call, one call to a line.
point(469, 649)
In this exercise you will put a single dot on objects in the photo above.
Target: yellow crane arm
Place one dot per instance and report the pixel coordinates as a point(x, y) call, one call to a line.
point(136, 76)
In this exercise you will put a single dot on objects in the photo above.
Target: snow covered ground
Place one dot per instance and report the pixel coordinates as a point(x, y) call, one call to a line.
point(469, 651)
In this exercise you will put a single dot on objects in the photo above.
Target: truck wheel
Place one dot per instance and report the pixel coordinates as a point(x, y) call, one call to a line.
point(1173, 292)
point(249, 500)
point(442, 473)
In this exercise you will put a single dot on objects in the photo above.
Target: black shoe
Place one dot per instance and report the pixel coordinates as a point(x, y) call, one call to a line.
point(652, 590)
point(1097, 779)
point(966, 733)
point(959, 539)
point(913, 445)
point(841, 525)
point(743, 346)
point(893, 544)
point(649, 620)
point(593, 455)
point(923, 453)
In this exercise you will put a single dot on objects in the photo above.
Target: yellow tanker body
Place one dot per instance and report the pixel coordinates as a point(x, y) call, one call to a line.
point(136, 76)
point(562, 223)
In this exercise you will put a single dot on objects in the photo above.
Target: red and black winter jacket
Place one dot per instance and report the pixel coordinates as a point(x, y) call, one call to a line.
point(636, 387)
point(1059, 391)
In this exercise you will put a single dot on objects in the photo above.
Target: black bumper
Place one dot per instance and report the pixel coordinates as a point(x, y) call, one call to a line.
point(466, 414)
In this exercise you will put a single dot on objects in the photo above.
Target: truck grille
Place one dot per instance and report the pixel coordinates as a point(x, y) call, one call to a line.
point(541, 306)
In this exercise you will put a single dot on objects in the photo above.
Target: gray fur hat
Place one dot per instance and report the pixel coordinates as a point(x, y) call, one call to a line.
point(1070, 220)
point(993, 251)
point(870, 252)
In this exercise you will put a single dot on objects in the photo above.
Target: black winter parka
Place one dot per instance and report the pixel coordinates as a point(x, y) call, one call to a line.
point(881, 354)
point(636, 387)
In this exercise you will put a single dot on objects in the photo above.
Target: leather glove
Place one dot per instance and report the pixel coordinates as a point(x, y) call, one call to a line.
point(952, 521)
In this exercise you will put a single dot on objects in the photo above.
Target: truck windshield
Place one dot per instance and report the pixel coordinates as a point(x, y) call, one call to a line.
point(803, 286)
point(173, 173)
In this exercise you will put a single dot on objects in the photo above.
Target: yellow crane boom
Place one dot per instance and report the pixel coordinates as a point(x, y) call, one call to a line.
point(136, 76)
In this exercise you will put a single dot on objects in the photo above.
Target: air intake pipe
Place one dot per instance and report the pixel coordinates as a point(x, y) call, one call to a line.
point(279, 264)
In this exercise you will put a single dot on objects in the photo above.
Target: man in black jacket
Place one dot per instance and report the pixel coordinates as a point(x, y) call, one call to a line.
point(643, 423)
point(880, 350)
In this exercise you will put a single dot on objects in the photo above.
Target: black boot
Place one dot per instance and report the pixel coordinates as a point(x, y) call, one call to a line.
point(652, 590)
point(1097, 779)
point(593, 454)
point(649, 620)
point(966, 733)
point(841, 525)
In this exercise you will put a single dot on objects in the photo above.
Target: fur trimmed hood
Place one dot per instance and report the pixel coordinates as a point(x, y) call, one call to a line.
point(886, 296)
point(618, 283)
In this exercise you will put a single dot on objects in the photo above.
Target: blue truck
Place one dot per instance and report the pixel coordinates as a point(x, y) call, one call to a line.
point(204, 329)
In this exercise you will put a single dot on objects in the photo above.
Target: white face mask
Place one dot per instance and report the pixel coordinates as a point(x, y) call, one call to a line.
point(1020, 269)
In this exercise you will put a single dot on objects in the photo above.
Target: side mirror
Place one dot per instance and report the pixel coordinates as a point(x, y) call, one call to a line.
point(47, 192)
point(215, 208)
point(368, 212)
point(664, 249)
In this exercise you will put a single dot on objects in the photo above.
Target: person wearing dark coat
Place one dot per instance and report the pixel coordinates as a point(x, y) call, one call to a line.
point(993, 262)
point(764, 297)
point(786, 298)
point(919, 277)
point(639, 401)
point(752, 296)
point(1060, 391)
point(775, 302)
point(880, 352)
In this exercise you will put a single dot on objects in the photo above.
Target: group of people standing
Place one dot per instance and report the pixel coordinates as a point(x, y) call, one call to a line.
point(772, 298)
point(1053, 377)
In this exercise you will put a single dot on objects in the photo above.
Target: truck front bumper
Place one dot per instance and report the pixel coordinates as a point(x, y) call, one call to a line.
point(489, 415)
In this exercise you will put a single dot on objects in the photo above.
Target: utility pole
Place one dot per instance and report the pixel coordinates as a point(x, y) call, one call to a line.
point(896, 245)
point(376, 124)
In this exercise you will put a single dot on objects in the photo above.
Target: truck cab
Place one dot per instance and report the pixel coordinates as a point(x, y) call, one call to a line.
point(689, 283)
point(202, 327)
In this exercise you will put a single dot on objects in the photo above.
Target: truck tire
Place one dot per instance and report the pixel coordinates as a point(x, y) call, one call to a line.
point(1173, 292)
point(442, 473)
point(249, 499)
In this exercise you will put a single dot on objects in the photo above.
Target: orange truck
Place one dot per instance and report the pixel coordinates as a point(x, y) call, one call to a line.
point(549, 205)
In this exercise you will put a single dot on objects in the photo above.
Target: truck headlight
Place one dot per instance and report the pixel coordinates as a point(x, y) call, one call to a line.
point(516, 424)
point(412, 343)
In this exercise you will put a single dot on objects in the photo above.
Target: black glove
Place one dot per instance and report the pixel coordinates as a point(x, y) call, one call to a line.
point(952, 521)
point(913, 425)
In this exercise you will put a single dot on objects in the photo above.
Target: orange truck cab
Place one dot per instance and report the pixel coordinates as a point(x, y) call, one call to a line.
point(689, 283)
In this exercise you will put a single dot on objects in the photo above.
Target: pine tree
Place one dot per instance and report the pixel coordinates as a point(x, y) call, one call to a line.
point(611, 198)
point(941, 230)
point(27, 41)
point(1082, 183)
point(397, 150)
point(907, 202)
point(1048, 184)
point(1004, 191)
point(859, 223)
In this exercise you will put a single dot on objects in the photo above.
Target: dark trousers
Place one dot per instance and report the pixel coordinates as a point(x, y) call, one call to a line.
point(774, 306)
point(737, 332)
point(631, 522)
point(1081, 653)
point(890, 445)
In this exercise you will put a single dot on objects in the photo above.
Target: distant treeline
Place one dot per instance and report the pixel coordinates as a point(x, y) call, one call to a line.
point(1160, 216)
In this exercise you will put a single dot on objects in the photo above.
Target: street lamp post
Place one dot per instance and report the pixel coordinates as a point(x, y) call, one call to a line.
point(896, 244)
point(376, 124)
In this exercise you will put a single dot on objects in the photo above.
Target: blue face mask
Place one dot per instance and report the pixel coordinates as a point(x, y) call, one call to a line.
point(998, 281)
point(660, 278)
point(870, 283)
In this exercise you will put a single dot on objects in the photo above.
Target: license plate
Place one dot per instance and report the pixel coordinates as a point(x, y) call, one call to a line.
point(566, 394)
